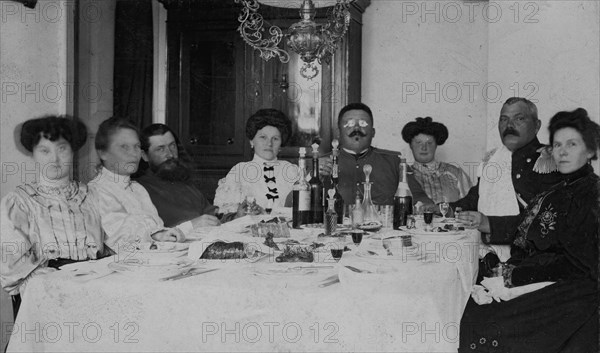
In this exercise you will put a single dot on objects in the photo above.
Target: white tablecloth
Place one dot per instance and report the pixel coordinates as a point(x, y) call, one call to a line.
point(244, 306)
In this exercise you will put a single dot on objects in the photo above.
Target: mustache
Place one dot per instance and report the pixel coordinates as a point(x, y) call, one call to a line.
point(357, 133)
point(510, 131)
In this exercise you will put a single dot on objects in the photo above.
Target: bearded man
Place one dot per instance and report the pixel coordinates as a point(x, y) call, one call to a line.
point(177, 200)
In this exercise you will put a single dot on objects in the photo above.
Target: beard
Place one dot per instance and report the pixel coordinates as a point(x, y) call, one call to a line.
point(172, 170)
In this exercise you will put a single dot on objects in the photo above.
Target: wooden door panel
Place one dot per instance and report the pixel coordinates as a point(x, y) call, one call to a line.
point(210, 84)
point(216, 81)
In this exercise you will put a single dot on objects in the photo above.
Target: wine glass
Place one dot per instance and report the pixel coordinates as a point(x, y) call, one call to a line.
point(357, 237)
point(444, 209)
point(428, 214)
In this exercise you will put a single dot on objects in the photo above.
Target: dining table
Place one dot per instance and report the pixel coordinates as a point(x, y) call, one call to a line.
point(395, 291)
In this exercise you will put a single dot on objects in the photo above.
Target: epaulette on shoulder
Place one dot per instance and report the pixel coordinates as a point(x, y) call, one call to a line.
point(545, 163)
point(388, 152)
point(488, 155)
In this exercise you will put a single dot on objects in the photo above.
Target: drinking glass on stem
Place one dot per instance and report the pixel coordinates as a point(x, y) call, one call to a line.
point(444, 206)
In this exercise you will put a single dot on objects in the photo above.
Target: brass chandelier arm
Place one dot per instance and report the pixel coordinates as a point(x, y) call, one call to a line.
point(251, 28)
point(335, 29)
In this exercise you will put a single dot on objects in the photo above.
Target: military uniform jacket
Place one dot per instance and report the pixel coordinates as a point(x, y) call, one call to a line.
point(527, 183)
point(385, 177)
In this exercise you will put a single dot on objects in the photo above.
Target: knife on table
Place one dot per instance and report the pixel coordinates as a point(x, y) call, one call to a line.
point(188, 273)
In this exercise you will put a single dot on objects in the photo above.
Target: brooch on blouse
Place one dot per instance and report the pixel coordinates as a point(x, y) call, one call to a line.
point(547, 220)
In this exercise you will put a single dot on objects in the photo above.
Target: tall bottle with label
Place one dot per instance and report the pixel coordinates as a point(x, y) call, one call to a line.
point(316, 188)
point(301, 194)
point(403, 198)
point(339, 201)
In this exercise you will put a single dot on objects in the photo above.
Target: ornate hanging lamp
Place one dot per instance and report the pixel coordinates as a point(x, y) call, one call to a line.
point(312, 41)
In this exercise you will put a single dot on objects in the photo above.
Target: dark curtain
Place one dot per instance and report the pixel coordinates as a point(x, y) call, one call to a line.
point(133, 73)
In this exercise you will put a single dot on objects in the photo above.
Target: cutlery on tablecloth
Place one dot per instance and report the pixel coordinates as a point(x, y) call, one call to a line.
point(188, 273)
point(309, 267)
point(327, 284)
point(329, 281)
point(357, 270)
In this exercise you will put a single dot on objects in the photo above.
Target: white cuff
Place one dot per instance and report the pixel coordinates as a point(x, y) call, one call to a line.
point(186, 227)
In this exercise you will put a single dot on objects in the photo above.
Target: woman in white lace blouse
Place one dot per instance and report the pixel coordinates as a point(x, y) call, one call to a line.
point(443, 182)
point(264, 179)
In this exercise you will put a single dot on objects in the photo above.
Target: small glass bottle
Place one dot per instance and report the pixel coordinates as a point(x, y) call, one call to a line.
point(369, 211)
point(330, 215)
point(357, 211)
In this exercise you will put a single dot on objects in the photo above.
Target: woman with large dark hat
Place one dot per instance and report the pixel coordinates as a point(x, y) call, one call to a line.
point(443, 182)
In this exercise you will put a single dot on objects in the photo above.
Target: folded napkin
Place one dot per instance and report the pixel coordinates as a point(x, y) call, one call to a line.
point(88, 270)
point(494, 289)
point(281, 212)
point(202, 233)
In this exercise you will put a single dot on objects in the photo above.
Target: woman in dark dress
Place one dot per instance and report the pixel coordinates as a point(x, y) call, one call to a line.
point(557, 241)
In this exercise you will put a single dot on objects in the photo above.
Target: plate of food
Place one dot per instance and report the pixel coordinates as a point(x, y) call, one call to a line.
point(160, 247)
point(150, 268)
point(435, 230)
point(298, 252)
point(372, 226)
point(288, 271)
point(236, 251)
point(277, 226)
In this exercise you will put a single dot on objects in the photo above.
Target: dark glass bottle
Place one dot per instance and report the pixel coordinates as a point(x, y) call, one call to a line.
point(402, 199)
point(316, 188)
point(338, 200)
point(301, 194)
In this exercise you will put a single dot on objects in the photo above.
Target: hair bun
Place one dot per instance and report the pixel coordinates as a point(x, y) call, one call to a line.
point(425, 126)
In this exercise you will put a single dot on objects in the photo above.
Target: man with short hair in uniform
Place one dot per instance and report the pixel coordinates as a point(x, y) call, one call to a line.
point(510, 176)
point(355, 124)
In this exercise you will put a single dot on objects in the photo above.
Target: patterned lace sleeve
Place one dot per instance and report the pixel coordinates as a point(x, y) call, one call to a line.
point(229, 194)
point(20, 248)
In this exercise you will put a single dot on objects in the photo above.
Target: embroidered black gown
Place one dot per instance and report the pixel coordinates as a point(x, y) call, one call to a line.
point(557, 240)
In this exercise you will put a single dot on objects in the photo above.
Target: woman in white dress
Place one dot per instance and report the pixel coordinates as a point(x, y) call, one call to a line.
point(265, 179)
point(52, 220)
